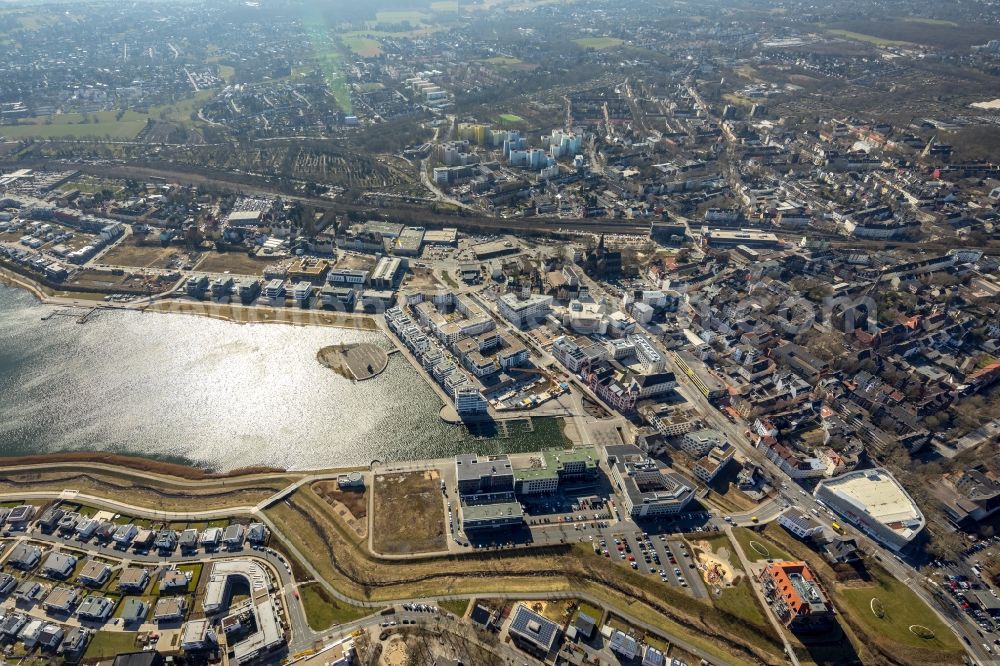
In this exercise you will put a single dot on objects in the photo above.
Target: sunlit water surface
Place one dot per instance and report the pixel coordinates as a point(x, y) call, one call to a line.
point(213, 393)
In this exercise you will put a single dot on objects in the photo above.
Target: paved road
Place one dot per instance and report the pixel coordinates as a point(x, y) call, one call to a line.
point(302, 634)
point(778, 628)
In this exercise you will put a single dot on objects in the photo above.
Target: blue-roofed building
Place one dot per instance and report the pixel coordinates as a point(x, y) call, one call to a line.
point(653, 657)
point(533, 633)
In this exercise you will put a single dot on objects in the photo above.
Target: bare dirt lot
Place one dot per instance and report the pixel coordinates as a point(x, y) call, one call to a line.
point(350, 505)
point(409, 514)
point(130, 253)
point(237, 263)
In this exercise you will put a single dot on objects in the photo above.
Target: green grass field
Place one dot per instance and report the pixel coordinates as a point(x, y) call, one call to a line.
point(71, 125)
point(510, 118)
point(444, 6)
point(456, 606)
point(599, 43)
point(366, 47)
point(745, 536)
point(105, 123)
point(328, 58)
point(903, 608)
point(324, 612)
point(107, 644)
point(741, 602)
point(869, 39)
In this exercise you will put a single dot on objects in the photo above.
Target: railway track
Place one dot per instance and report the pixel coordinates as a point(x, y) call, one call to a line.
point(404, 212)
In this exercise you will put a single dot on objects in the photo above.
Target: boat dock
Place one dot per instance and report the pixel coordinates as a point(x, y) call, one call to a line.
point(74, 311)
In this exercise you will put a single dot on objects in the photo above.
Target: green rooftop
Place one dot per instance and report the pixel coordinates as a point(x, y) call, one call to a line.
point(557, 457)
point(556, 460)
point(532, 473)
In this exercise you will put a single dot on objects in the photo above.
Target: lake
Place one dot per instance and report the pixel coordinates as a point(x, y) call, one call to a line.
point(215, 394)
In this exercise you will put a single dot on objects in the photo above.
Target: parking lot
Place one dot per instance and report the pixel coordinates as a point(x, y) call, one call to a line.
point(668, 560)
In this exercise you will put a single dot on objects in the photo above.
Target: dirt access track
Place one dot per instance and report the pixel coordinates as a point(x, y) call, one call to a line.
point(142, 483)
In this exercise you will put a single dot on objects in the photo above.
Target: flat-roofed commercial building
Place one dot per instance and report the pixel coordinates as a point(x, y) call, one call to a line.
point(221, 578)
point(645, 490)
point(795, 596)
point(800, 523)
point(492, 515)
point(699, 442)
point(410, 242)
point(708, 467)
point(387, 270)
point(446, 236)
point(478, 476)
point(469, 400)
point(522, 310)
point(244, 219)
point(874, 502)
point(734, 237)
point(347, 277)
point(556, 466)
point(307, 269)
point(494, 249)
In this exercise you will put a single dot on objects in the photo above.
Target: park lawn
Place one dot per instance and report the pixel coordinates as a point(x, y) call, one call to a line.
point(903, 608)
point(106, 644)
point(180, 111)
point(599, 43)
point(366, 47)
point(869, 39)
point(89, 185)
point(456, 606)
point(71, 125)
point(322, 612)
point(510, 118)
point(444, 6)
point(329, 59)
point(773, 552)
point(104, 123)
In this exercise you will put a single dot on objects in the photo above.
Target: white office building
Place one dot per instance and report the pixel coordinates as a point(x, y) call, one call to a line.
point(521, 310)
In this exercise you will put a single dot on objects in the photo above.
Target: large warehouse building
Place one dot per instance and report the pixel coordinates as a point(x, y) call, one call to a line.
point(875, 503)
